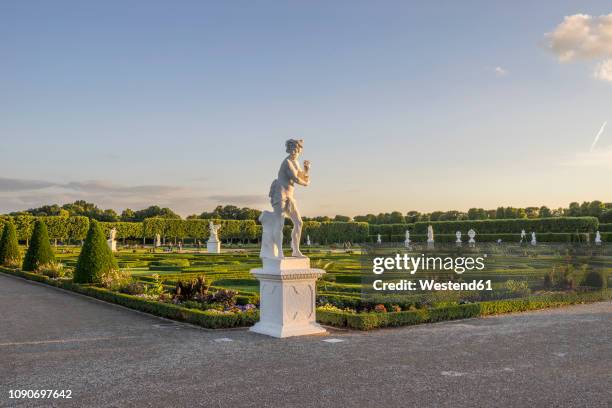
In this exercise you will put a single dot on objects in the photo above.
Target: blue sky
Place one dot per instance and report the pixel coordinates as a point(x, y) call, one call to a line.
point(402, 105)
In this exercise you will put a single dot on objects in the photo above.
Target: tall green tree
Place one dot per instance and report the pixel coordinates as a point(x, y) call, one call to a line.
point(9, 247)
point(96, 257)
point(39, 252)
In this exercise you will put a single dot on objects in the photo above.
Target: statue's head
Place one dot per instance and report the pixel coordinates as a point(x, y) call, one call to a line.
point(294, 146)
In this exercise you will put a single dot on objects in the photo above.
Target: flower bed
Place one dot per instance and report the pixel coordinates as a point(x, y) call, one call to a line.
point(328, 315)
point(212, 319)
point(367, 321)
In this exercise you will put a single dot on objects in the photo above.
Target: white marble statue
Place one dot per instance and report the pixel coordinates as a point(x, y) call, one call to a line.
point(523, 235)
point(430, 234)
point(407, 240)
point(597, 238)
point(287, 285)
point(308, 240)
point(378, 239)
point(213, 245)
point(112, 243)
point(214, 231)
point(157, 240)
point(533, 238)
point(284, 204)
point(458, 235)
point(472, 235)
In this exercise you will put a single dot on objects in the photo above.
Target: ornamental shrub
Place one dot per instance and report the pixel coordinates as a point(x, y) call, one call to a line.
point(597, 279)
point(9, 248)
point(96, 259)
point(39, 252)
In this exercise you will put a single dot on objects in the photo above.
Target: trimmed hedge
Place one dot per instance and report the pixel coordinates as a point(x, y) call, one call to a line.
point(39, 252)
point(369, 321)
point(554, 224)
point(204, 318)
point(96, 258)
point(9, 248)
point(505, 237)
point(605, 227)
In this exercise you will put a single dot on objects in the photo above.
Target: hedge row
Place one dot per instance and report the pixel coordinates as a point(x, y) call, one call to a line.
point(369, 321)
point(202, 318)
point(554, 224)
point(75, 228)
point(505, 237)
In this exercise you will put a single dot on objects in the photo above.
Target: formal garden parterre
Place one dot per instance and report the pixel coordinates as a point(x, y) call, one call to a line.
point(217, 291)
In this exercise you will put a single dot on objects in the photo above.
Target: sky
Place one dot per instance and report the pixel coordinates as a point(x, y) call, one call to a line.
point(402, 105)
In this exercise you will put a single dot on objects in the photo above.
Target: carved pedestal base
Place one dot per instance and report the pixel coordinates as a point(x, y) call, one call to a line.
point(214, 247)
point(287, 297)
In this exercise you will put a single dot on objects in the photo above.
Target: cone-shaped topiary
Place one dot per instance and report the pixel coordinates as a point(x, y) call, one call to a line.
point(9, 248)
point(39, 252)
point(96, 257)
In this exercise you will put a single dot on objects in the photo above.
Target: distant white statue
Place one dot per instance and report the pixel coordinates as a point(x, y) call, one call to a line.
point(430, 235)
point(112, 243)
point(213, 245)
point(407, 240)
point(157, 240)
point(533, 238)
point(308, 240)
point(523, 235)
point(472, 235)
point(597, 238)
point(458, 235)
point(284, 204)
point(499, 241)
point(378, 239)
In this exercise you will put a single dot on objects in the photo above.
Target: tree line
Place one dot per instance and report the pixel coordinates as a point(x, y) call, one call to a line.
point(602, 211)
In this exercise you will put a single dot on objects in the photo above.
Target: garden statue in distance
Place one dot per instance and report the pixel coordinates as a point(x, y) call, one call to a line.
point(472, 234)
point(523, 235)
point(407, 240)
point(284, 204)
point(378, 239)
point(430, 237)
point(597, 238)
point(112, 244)
point(157, 240)
point(213, 245)
point(533, 238)
point(458, 235)
point(308, 240)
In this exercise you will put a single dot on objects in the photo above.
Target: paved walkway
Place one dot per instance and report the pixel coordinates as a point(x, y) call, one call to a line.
point(111, 356)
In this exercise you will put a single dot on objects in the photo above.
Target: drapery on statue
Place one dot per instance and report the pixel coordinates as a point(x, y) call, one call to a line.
point(284, 205)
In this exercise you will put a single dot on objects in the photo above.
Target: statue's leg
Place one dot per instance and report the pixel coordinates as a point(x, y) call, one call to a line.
point(296, 233)
point(277, 233)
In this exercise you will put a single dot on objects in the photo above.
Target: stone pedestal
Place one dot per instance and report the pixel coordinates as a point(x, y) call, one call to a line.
point(287, 289)
point(112, 245)
point(214, 247)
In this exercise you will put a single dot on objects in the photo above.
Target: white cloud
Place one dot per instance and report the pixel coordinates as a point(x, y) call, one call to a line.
point(596, 159)
point(603, 70)
point(500, 72)
point(582, 36)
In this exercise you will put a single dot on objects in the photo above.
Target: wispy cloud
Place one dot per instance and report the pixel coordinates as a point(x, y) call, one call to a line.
point(500, 72)
point(240, 199)
point(595, 159)
point(10, 184)
point(597, 136)
point(20, 194)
